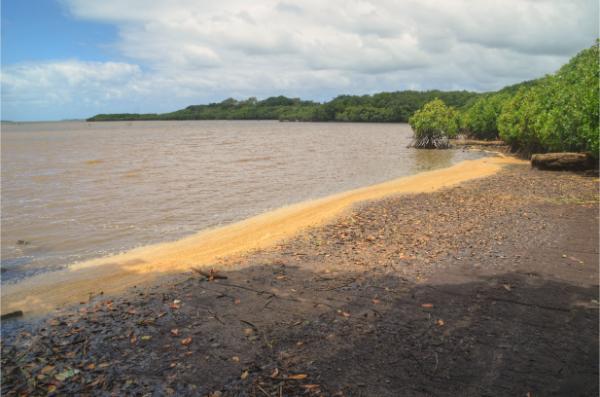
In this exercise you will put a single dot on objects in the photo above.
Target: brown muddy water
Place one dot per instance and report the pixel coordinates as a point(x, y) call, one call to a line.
point(73, 191)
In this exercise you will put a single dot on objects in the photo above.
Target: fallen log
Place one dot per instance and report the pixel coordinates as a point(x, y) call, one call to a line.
point(562, 161)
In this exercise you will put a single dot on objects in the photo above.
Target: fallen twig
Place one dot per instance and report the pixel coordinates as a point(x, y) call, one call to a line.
point(210, 276)
point(351, 281)
point(259, 292)
point(215, 316)
point(250, 324)
point(263, 390)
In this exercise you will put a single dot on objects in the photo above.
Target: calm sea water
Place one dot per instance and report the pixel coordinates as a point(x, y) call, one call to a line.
point(75, 190)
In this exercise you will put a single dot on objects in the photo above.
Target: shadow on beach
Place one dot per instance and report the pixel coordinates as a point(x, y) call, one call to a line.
point(369, 333)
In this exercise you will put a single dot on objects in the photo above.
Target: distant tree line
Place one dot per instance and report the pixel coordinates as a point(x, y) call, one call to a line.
point(556, 113)
point(382, 107)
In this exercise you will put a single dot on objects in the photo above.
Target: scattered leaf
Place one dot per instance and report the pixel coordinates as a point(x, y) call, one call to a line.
point(237, 301)
point(275, 373)
point(427, 305)
point(244, 375)
point(311, 387)
point(51, 388)
point(507, 287)
point(343, 313)
point(90, 366)
point(97, 381)
point(297, 376)
point(146, 337)
point(66, 374)
point(235, 359)
point(376, 301)
point(186, 341)
point(48, 369)
point(440, 322)
point(175, 332)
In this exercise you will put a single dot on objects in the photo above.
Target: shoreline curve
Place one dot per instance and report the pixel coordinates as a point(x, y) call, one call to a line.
point(116, 273)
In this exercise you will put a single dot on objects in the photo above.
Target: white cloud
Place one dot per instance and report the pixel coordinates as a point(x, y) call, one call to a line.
point(62, 85)
point(193, 52)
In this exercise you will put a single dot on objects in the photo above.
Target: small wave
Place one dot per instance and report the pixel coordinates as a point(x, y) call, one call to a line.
point(133, 173)
point(253, 159)
point(226, 143)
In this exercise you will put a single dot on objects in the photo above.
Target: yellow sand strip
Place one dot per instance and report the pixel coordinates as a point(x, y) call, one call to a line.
point(116, 273)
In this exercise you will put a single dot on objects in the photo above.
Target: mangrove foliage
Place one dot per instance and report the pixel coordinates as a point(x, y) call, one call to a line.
point(433, 125)
point(556, 113)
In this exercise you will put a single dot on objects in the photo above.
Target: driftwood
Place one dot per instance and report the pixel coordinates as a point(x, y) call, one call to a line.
point(562, 161)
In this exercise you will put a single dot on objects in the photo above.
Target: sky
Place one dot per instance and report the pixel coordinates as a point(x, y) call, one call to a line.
point(64, 59)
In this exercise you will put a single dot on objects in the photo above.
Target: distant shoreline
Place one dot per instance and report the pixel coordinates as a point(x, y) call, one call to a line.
point(381, 107)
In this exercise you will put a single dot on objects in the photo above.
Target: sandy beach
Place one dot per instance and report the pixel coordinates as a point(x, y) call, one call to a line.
point(114, 274)
point(484, 287)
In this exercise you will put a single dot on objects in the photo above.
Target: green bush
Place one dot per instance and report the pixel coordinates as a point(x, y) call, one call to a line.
point(515, 123)
point(433, 124)
point(559, 112)
point(480, 120)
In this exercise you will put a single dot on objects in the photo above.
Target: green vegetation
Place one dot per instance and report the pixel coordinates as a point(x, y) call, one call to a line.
point(559, 112)
point(433, 124)
point(382, 107)
point(556, 113)
point(480, 119)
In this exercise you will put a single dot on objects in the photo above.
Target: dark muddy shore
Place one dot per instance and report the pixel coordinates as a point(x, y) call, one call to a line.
point(486, 289)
